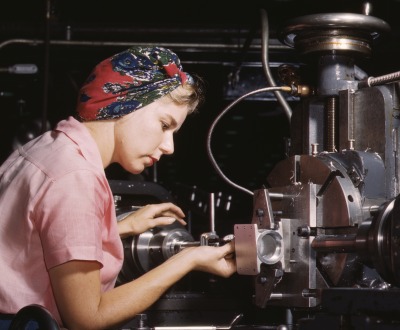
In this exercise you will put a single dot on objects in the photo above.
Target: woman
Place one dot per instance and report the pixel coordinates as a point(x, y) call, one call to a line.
point(60, 243)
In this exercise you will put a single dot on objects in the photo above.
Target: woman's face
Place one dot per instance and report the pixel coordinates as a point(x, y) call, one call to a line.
point(143, 136)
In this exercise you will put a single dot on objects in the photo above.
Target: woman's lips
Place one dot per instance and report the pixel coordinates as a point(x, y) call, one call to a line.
point(153, 160)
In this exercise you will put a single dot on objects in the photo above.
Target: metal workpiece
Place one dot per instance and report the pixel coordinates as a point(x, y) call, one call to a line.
point(254, 246)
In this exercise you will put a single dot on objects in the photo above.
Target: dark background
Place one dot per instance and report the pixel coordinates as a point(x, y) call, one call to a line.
point(65, 39)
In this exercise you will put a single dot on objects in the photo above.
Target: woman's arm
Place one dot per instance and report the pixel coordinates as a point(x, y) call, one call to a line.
point(82, 305)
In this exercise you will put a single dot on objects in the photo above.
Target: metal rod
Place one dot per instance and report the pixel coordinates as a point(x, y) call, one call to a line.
point(212, 213)
point(335, 243)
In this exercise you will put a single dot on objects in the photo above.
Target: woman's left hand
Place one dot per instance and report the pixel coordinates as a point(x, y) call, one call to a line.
point(150, 216)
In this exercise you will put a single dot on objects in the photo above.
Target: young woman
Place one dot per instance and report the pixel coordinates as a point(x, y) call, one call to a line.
point(60, 243)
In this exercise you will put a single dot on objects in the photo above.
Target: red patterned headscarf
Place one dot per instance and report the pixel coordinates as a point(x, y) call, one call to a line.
point(129, 81)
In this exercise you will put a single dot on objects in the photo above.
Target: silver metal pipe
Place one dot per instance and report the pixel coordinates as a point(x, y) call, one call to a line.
point(186, 46)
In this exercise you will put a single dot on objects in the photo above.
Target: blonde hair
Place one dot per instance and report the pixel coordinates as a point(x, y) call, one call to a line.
point(189, 93)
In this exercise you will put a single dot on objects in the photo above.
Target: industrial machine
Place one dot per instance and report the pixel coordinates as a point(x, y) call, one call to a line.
point(322, 246)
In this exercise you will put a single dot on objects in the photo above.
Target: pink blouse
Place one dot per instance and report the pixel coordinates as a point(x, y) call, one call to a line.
point(55, 206)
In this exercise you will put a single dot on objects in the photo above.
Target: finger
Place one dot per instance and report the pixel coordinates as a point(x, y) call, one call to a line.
point(164, 221)
point(170, 210)
point(173, 209)
point(228, 248)
point(232, 267)
point(170, 214)
point(181, 221)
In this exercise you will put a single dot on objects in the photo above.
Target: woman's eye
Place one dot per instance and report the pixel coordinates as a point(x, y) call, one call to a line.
point(164, 126)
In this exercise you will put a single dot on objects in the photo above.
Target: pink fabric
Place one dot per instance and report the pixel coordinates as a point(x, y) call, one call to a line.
point(55, 206)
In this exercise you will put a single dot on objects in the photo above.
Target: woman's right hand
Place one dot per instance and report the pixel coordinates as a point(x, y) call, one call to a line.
point(83, 304)
point(217, 260)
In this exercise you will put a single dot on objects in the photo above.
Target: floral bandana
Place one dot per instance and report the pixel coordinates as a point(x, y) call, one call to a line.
point(129, 81)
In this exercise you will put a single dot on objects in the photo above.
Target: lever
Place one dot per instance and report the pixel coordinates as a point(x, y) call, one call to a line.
point(210, 238)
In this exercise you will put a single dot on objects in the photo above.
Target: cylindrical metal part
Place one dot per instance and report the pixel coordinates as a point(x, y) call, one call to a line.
point(212, 213)
point(314, 149)
point(335, 243)
point(184, 245)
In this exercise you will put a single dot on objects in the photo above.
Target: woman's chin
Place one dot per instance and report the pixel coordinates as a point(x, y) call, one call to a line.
point(134, 169)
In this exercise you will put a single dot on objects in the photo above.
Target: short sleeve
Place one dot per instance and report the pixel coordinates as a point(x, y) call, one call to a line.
point(69, 217)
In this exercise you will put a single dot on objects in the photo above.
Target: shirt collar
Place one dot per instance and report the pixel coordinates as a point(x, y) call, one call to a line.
point(78, 133)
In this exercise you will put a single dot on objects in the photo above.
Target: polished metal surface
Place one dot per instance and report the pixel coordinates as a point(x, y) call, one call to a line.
point(151, 248)
point(333, 31)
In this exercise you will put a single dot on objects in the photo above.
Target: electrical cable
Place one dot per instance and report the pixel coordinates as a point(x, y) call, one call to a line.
point(267, 71)
point(210, 132)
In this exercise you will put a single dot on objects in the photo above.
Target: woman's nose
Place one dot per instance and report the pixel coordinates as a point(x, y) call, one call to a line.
point(167, 145)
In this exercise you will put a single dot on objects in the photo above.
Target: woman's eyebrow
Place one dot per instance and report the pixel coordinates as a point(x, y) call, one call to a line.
point(172, 120)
